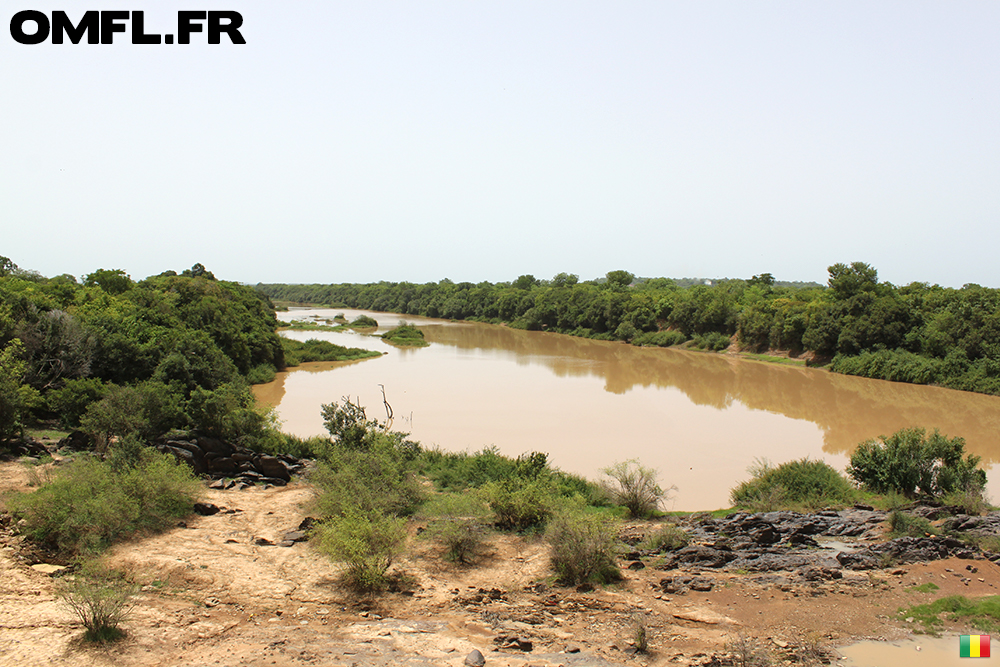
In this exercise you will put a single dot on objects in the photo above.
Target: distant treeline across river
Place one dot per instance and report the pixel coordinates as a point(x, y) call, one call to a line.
point(917, 333)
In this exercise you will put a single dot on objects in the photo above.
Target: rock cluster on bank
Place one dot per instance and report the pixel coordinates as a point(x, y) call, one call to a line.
point(232, 466)
point(818, 545)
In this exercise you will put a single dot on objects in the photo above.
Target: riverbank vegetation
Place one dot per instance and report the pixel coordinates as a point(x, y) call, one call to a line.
point(114, 357)
point(889, 471)
point(92, 503)
point(405, 335)
point(917, 333)
point(369, 480)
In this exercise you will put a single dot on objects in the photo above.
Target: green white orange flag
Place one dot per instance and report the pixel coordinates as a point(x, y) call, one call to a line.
point(974, 646)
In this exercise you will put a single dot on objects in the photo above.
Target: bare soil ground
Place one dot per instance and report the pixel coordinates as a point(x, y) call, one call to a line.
point(212, 595)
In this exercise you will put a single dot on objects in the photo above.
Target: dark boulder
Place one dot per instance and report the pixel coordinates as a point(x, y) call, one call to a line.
point(206, 509)
point(215, 446)
point(272, 466)
point(197, 464)
point(222, 465)
point(77, 441)
point(697, 555)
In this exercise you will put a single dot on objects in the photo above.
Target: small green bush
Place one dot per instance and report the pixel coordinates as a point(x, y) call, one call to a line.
point(802, 483)
point(377, 480)
point(634, 487)
point(893, 365)
point(297, 352)
point(660, 338)
point(583, 548)
point(71, 400)
point(714, 341)
point(969, 500)
point(102, 604)
point(902, 524)
point(261, 374)
point(364, 322)
point(910, 461)
point(463, 539)
point(406, 335)
point(367, 543)
point(521, 505)
point(458, 524)
point(667, 537)
point(313, 447)
point(92, 503)
point(456, 471)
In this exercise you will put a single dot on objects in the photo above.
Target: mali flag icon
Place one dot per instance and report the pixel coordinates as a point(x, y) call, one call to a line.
point(974, 646)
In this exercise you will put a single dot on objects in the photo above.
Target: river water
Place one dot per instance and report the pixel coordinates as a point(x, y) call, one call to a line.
point(700, 419)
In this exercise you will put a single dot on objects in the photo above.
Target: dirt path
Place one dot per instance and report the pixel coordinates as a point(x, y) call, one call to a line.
point(215, 594)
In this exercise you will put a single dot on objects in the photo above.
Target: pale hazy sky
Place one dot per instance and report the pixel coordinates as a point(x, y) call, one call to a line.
point(476, 140)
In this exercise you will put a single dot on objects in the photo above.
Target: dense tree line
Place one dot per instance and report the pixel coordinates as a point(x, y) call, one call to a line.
point(917, 333)
point(118, 357)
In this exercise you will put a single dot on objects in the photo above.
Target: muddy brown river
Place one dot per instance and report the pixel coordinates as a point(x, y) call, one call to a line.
point(700, 419)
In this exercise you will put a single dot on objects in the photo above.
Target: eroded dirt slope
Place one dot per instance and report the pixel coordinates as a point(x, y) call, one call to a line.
point(219, 591)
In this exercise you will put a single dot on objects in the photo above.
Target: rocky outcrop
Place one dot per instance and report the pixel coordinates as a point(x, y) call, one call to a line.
point(232, 466)
point(818, 545)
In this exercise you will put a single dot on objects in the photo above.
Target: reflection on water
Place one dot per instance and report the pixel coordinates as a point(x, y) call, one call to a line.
point(700, 418)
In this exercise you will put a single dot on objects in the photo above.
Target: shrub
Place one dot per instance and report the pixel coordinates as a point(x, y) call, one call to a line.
point(296, 352)
point(634, 487)
point(12, 392)
point(261, 374)
point(894, 365)
point(462, 470)
point(640, 633)
point(277, 442)
point(909, 460)
point(352, 428)
point(519, 504)
point(660, 338)
point(366, 544)
point(902, 524)
point(667, 537)
point(462, 538)
point(378, 480)
point(101, 604)
point(148, 409)
point(364, 322)
point(583, 548)
point(795, 483)
point(969, 500)
point(92, 503)
point(406, 335)
point(714, 341)
point(230, 413)
point(458, 525)
point(70, 402)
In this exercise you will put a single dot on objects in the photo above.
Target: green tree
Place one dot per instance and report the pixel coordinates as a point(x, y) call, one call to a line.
point(909, 461)
point(619, 279)
point(111, 281)
point(12, 394)
point(565, 280)
point(525, 282)
point(198, 271)
point(7, 267)
point(846, 281)
point(57, 347)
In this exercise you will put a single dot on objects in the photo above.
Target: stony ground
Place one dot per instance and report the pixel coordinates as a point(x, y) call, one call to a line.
point(214, 594)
